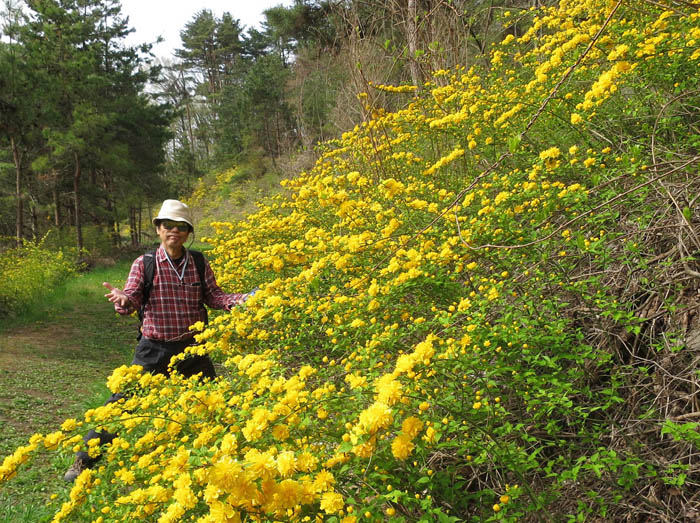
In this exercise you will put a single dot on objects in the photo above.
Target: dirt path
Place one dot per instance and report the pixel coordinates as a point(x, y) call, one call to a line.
point(47, 372)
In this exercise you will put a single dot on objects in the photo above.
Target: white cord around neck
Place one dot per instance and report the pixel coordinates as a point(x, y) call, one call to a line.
point(181, 276)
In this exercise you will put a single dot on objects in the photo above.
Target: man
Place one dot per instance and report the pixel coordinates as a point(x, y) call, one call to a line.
point(175, 301)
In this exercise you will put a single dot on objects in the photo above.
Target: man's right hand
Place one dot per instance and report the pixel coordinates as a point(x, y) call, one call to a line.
point(116, 296)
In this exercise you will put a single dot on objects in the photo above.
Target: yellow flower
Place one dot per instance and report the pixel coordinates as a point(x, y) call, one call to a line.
point(430, 435)
point(392, 187)
point(456, 153)
point(52, 440)
point(377, 416)
point(280, 432)
point(411, 426)
point(356, 380)
point(402, 446)
point(324, 481)
point(332, 502)
point(69, 424)
point(261, 464)
point(551, 153)
point(286, 463)
point(389, 390)
point(394, 88)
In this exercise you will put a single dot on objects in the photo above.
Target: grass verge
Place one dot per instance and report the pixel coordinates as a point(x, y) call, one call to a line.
point(54, 361)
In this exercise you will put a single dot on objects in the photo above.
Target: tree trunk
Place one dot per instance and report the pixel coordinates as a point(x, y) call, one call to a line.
point(132, 225)
point(111, 206)
point(76, 190)
point(35, 219)
point(412, 38)
point(138, 225)
point(19, 220)
point(56, 205)
point(116, 236)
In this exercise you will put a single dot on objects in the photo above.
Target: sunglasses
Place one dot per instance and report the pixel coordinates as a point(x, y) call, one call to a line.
point(180, 226)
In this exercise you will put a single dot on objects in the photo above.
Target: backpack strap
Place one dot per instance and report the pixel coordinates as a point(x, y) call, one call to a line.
point(201, 269)
point(149, 266)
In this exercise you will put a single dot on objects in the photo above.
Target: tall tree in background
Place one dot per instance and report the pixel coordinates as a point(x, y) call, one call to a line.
point(71, 84)
point(212, 52)
point(19, 110)
point(280, 89)
point(233, 87)
point(65, 41)
point(230, 47)
point(11, 125)
point(199, 48)
point(412, 40)
point(212, 47)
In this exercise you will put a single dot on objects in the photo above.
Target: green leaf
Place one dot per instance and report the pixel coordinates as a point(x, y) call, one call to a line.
point(513, 143)
point(346, 446)
point(687, 213)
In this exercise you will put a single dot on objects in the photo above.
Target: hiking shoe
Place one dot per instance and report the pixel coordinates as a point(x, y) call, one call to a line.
point(75, 469)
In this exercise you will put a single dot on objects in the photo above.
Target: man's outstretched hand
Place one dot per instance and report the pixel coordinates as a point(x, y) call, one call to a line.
point(116, 296)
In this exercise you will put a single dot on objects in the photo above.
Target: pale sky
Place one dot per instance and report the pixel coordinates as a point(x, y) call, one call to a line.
point(167, 18)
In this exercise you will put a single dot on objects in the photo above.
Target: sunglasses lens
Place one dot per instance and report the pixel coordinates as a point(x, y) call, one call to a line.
point(180, 226)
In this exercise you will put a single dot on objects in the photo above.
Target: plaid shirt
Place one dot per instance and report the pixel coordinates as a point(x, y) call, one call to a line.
point(174, 305)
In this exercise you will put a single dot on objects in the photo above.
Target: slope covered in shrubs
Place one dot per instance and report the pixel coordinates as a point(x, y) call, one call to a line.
point(480, 307)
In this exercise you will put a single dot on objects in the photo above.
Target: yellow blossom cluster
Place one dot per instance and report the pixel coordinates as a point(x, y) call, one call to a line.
point(394, 88)
point(401, 333)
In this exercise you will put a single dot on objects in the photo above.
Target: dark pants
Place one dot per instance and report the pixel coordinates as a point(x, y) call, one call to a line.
point(154, 356)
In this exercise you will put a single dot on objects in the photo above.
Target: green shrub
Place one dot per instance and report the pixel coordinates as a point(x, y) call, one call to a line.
point(96, 241)
point(29, 272)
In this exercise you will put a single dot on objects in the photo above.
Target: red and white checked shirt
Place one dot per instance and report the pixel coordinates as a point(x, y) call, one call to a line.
point(174, 305)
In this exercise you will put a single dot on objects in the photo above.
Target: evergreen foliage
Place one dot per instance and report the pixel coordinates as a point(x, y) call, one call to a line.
point(76, 124)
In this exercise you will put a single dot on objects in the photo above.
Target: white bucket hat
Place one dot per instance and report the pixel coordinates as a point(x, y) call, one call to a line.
point(174, 210)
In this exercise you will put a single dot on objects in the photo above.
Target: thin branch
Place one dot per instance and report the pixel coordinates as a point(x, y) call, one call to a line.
point(594, 209)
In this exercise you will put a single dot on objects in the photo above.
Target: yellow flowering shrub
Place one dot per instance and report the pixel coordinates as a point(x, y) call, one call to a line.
point(422, 345)
point(27, 271)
